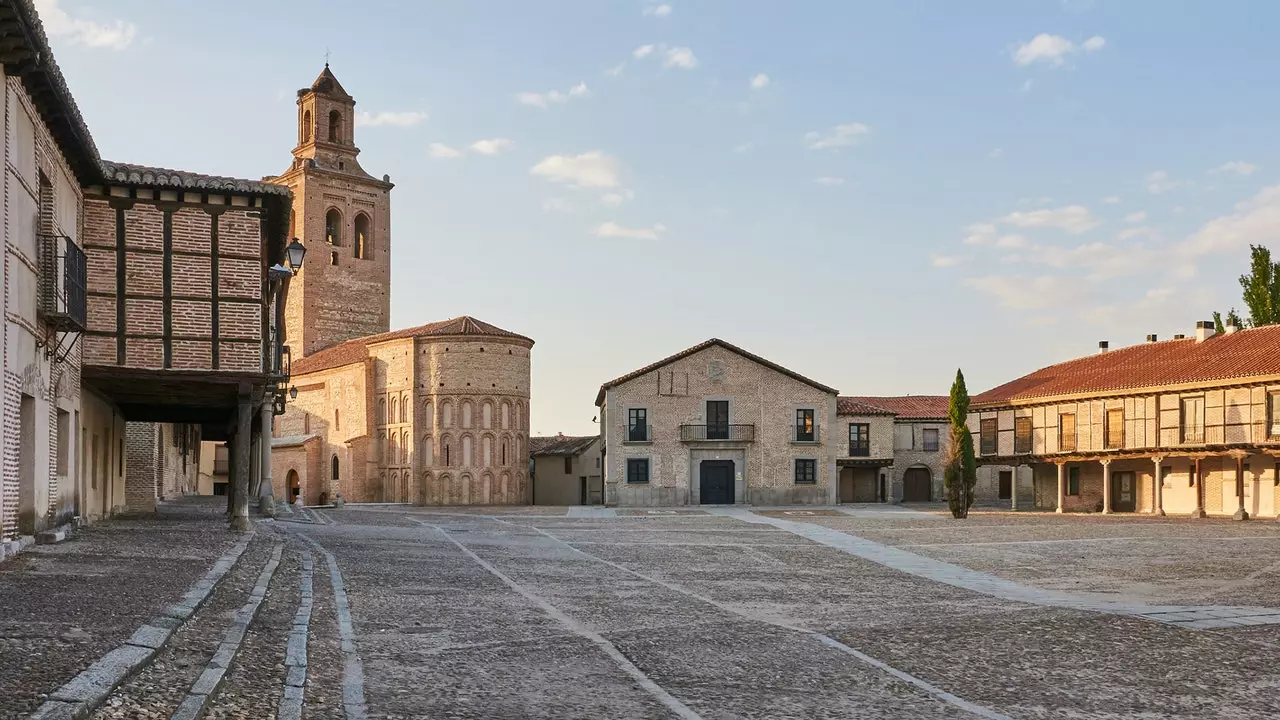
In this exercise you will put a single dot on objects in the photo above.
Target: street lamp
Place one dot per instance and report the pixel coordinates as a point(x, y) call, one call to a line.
point(294, 252)
point(293, 392)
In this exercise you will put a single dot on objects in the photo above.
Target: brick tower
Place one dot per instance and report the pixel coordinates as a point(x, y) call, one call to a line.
point(343, 215)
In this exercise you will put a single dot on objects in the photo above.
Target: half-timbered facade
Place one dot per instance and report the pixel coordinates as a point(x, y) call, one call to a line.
point(1186, 426)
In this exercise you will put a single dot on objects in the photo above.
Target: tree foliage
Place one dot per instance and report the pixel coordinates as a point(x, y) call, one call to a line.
point(1261, 288)
point(961, 473)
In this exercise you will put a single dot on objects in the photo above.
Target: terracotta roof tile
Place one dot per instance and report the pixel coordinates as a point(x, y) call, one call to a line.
point(558, 445)
point(703, 346)
point(356, 350)
point(908, 407)
point(1243, 354)
point(859, 406)
point(163, 178)
point(326, 83)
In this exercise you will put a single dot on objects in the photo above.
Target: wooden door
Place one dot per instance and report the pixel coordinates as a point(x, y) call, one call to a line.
point(1124, 492)
point(864, 485)
point(917, 485)
point(846, 485)
point(716, 486)
point(1006, 485)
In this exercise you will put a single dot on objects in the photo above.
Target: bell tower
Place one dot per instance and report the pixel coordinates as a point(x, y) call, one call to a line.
point(343, 216)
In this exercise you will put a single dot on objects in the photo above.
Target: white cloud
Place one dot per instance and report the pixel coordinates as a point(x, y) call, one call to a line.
point(395, 119)
point(759, 81)
point(642, 52)
point(827, 180)
point(1026, 293)
point(1135, 232)
point(1053, 49)
point(492, 146)
point(980, 234)
point(557, 204)
point(1011, 241)
point(1135, 217)
point(542, 100)
point(614, 230)
point(661, 11)
point(614, 199)
point(616, 70)
point(996, 153)
point(1027, 85)
point(1253, 222)
point(680, 57)
point(844, 135)
point(942, 261)
point(1159, 182)
point(1075, 219)
point(1111, 200)
point(592, 169)
point(114, 35)
point(744, 147)
point(1236, 166)
point(440, 150)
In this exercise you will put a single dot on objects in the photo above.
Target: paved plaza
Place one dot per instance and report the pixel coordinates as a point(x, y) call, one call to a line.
point(857, 612)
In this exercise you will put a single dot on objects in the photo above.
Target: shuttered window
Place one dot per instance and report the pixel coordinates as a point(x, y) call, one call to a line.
point(1022, 435)
point(987, 437)
point(1193, 420)
point(1115, 428)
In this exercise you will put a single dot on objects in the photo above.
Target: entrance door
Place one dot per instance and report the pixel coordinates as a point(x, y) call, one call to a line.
point(1006, 485)
point(864, 485)
point(716, 482)
point(846, 485)
point(1124, 492)
point(917, 485)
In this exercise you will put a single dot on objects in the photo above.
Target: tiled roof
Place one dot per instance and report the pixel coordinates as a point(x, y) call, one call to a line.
point(25, 52)
point(1240, 355)
point(559, 445)
point(703, 346)
point(356, 350)
point(326, 84)
point(857, 406)
point(908, 407)
point(162, 178)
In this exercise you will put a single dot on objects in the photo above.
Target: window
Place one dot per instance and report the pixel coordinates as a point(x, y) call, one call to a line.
point(929, 436)
point(1067, 432)
point(334, 463)
point(335, 126)
point(333, 259)
point(638, 424)
point(306, 126)
point(336, 425)
point(1115, 428)
point(637, 470)
point(987, 436)
point(64, 440)
point(1166, 473)
point(859, 440)
point(717, 419)
point(1022, 435)
point(568, 465)
point(1073, 480)
point(1273, 415)
point(806, 471)
point(1193, 420)
point(805, 429)
point(362, 248)
point(333, 227)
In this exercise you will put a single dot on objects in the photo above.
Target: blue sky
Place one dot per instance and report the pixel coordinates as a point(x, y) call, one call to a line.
point(872, 194)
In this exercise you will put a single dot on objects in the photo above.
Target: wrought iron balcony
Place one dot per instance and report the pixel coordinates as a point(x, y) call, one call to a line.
point(856, 450)
point(807, 436)
point(732, 433)
point(639, 433)
point(63, 300)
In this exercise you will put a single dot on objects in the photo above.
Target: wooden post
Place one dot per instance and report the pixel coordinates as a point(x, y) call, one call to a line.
point(1199, 482)
point(1241, 513)
point(244, 422)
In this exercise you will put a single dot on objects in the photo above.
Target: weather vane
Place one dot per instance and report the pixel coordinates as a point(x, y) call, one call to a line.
point(326, 57)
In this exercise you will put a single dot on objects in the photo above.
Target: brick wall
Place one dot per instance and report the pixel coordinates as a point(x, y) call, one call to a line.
point(142, 465)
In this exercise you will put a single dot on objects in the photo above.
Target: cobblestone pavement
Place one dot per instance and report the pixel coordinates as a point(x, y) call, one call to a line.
point(717, 614)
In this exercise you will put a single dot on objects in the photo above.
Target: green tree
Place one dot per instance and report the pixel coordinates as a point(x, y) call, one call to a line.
point(961, 472)
point(1232, 317)
point(1262, 288)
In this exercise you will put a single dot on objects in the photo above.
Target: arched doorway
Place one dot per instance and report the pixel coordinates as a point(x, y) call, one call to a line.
point(295, 485)
point(917, 485)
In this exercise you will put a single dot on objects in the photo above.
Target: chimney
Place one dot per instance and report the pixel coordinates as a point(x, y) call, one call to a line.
point(1230, 327)
point(1179, 336)
point(1102, 346)
point(1151, 338)
point(1204, 330)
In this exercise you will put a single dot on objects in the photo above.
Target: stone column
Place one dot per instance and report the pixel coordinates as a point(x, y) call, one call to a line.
point(1013, 489)
point(255, 467)
point(1062, 486)
point(244, 424)
point(1157, 502)
point(1241, 513)
point(1199, 486)
point(266, 488)
point(1106, 486)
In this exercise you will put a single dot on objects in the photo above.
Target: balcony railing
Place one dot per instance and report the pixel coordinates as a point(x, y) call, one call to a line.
point(639, 433)
point(859, 451)
point(811, 436)
point(63, 301)
point(732, 433)
point(221, 467)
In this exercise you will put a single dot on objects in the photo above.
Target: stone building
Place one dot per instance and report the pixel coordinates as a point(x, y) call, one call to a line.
point(863, 437)
point(1186, 426)
point(715, 424)
point(565, 470)
point(920, 439)
point(436, 414)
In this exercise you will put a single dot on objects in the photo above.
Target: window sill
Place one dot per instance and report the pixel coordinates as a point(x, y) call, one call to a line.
point(637, 442)
point(806, 442)
point(806, 483)
point(637, 482)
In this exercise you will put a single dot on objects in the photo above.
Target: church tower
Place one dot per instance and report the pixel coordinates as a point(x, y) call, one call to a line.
point(343, 215)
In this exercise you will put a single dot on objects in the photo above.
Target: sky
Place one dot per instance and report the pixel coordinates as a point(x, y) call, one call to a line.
point(872, 194)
